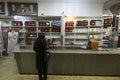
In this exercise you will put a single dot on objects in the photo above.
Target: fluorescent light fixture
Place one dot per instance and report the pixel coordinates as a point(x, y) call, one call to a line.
point(16, 17)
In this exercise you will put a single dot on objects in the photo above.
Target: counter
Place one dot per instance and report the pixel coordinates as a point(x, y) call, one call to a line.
point(72, 61)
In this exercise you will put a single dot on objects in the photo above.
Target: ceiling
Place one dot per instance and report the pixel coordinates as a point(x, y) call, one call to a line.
point(110, 3)
point(74, 1)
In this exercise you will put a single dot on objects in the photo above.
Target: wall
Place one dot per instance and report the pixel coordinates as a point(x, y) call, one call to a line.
point(71, 9)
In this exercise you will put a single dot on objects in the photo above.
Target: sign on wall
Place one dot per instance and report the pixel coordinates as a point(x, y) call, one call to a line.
point(2, 8)
point(22, 9)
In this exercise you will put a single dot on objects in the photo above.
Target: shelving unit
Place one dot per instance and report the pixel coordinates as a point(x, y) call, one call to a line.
point(96, 29)
point(30, 27)
point(65, 33)
point(79, 29)
point(107, 30)
point(78, 36)
point(51, 27)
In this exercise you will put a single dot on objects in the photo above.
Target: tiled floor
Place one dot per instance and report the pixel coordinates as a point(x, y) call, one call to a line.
point(8, 71)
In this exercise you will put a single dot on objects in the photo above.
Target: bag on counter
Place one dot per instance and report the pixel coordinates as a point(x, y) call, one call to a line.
point(47, 56)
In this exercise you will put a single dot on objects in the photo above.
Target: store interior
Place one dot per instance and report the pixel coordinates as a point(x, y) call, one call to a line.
point(85, 31)
point(65, 28)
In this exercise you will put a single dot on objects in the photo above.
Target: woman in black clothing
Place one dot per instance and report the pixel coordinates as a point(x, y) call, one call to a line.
point(40, 48)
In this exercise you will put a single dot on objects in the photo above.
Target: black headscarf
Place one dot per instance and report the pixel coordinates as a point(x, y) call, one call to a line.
point(41, 36)
point(40, 43)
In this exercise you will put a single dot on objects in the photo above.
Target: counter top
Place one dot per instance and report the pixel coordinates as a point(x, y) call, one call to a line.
point(76, 51)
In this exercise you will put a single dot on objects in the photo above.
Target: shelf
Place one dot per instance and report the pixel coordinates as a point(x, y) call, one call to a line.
point(74, 45)
point(55, 32)
point(81, 26)
point(95, 33)
point(81, 32)
point(77, 37)
point(55, 37)
point(69, 32)
point(6, 26)
point(16, 26)
point(82, 39)
point(96, 26)
point(108, 24)
point(31, 37)
point(22, 31)
point(44, 26)
point(21, 37)
point(30, 32)
point(30, 27)
point(69, 26)
point(69, 38)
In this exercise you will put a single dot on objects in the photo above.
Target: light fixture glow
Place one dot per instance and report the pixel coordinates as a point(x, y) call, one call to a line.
point(16, 17)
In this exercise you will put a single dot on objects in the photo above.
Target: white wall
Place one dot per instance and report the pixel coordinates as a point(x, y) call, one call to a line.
point(71, 9)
